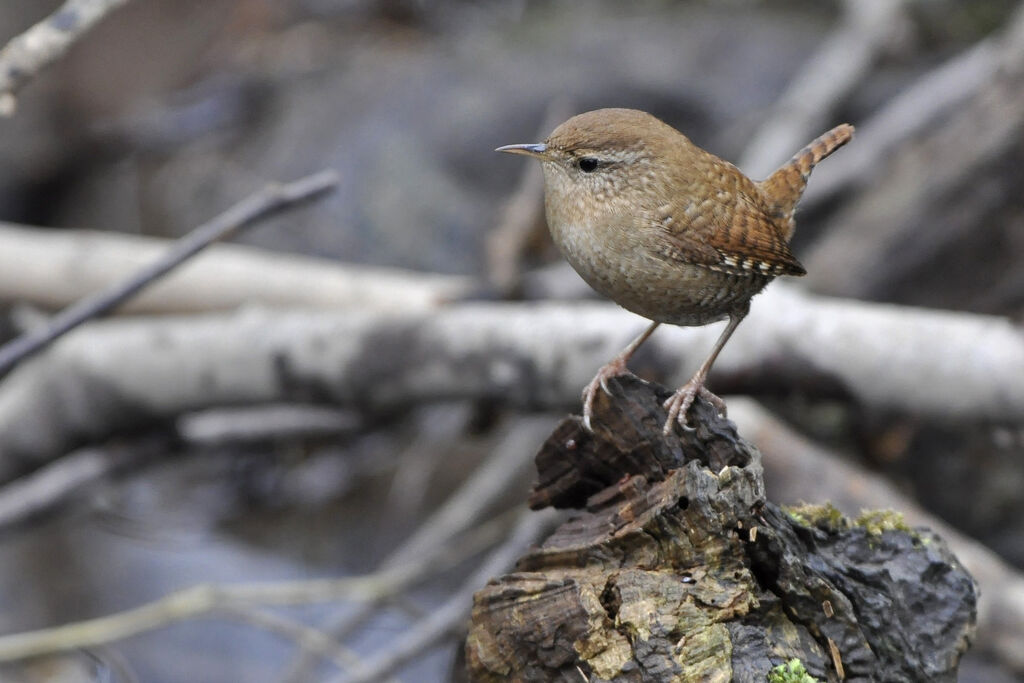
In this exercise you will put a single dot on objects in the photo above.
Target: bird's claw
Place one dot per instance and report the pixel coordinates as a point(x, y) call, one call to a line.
point(588, 410)
point(613, 369)
point(678, 405)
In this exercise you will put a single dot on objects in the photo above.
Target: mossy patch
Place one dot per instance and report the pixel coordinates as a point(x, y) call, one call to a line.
point(828, 517)
point(792, 671)
point(876, 522)
point(824, 516)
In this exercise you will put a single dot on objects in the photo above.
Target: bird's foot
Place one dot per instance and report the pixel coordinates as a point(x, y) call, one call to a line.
point(616, 367)
point(679, 404)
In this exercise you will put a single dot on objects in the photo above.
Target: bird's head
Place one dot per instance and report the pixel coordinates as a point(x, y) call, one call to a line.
point(602, 154)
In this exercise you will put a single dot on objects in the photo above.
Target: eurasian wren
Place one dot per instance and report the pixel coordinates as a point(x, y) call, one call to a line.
point(667, 230)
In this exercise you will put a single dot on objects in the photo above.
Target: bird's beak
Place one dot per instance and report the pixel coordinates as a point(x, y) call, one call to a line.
point(540, 151)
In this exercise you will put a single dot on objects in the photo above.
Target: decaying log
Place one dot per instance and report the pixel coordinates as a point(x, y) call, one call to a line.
point(794, 464)
point(677, 568)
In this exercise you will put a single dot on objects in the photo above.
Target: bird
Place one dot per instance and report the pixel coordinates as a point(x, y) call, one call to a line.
point(668, 230)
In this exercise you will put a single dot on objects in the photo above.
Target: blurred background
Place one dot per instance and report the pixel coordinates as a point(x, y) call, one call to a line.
point(169, 111)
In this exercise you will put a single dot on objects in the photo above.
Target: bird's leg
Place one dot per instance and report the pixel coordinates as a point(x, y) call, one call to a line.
point(679, 403)
point(616, 366)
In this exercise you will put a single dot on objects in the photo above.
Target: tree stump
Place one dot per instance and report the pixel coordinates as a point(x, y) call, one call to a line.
point(676, 568)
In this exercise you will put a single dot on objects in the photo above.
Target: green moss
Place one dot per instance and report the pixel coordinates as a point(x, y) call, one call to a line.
point(824, 516)
point(792, 671)
point(875, 522)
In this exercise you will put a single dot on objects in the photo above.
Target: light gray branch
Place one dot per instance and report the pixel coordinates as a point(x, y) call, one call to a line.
point(122, 373)
point(52, 268)
point(844, 59)
point(452, 615)
point(909, 113)
point(271, 198)
point(50, 485)
point(478, 493)
point(46, 42)
point(933, 192)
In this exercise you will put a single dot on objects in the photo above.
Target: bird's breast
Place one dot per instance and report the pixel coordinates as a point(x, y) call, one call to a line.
point(616, 259)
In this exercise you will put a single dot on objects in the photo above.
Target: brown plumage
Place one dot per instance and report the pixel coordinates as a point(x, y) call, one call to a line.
point(666, 229)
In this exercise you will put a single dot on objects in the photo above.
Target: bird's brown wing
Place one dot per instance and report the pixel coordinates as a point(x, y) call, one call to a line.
point(741, 240)
point(754, 243)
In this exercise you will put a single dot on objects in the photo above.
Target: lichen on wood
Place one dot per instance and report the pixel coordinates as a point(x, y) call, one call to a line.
point(675, 567)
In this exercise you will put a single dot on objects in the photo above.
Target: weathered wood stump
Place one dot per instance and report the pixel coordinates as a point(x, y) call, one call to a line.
point(676, 568)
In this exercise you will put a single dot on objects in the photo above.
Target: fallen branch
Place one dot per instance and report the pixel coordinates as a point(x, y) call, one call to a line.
point(211, 599)
point(906, 115)
point(843, 61)
point(52, 268)
point(474, 497)
point(450, 617)
point(46, 42)
point(270, 199)
point(61, 480)
point(57, 482)
point(920, 200)
point(127, 372)
point(305, 636)
point(264, 423)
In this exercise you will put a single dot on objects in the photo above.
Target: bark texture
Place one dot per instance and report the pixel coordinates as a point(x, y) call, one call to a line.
point(677, 568)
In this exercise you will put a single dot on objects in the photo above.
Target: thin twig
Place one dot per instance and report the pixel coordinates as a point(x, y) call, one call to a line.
point(308, 637)
point(476, 494)
point(521, 214)
point(56, 482)
point(44, 488)
point(26, 54)
point(451, 616)
point(265, 202)
point(206, 599)
point(277, 422)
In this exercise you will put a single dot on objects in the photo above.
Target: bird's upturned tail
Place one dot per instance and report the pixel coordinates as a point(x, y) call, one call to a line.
point(784, 187)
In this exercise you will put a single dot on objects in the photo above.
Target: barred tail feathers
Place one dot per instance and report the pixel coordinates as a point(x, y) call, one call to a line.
point(784, 187)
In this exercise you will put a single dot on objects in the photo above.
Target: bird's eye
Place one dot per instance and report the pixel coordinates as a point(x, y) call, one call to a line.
point(587, 164)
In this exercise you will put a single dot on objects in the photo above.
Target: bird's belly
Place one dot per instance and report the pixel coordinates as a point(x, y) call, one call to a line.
point(656, 288)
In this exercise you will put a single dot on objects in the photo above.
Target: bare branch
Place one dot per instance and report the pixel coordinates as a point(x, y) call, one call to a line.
point(126, 372)
point(46, 42)
point(55, 483)
point(306, 636)
point(272, 198)
point(476, 494)
point(208, 599)
point(844, 59)
point(52, 268)
point(266, 423)
point(864, 249)
point(451, 616)
point(908, 113)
